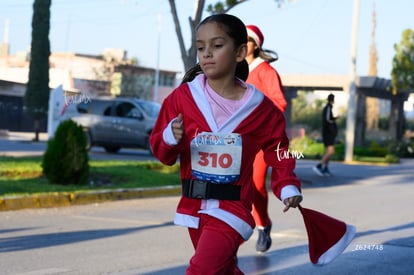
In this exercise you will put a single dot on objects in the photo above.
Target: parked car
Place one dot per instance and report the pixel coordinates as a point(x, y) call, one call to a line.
point(114, 123)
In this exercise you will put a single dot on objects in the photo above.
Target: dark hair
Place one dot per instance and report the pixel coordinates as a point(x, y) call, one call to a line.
point(234, 28)
point(268, 55)
point(331, 97)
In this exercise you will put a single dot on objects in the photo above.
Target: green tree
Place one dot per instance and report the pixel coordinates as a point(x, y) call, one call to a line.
point(36, 98)
point(402, 73)
point(402, 77)
point(189, 56)
point(306, 114)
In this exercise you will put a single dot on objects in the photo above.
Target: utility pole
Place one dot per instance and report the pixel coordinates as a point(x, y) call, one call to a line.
point(350, 119)
point(157, 70)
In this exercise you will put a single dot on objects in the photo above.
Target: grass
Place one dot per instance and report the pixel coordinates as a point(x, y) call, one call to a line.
point(315, 150)
point(23, 176)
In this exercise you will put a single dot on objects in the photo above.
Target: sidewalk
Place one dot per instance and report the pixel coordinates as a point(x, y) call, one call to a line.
point(21, 136)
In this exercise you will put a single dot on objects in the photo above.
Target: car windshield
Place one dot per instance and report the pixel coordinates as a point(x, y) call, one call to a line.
point(150, 108)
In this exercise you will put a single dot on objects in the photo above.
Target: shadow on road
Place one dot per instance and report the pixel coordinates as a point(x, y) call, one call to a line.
point(18, 243)
point(295, 260)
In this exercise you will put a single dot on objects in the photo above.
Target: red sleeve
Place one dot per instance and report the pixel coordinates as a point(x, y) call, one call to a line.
point(166, 153)
point(277, 154)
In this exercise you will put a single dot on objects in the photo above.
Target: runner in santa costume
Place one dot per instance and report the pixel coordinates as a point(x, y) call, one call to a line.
point(216, 124)
point(267, 80)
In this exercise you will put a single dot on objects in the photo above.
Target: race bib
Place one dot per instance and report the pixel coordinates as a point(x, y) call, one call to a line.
point(216, 157)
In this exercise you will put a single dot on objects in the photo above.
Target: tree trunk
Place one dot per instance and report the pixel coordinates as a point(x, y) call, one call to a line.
point(360, 120)
point(36, 126)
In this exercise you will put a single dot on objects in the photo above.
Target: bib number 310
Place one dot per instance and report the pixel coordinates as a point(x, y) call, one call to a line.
point(215, 160)
point(216, 157)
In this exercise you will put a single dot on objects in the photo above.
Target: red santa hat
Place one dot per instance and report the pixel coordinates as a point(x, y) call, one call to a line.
point(256, 34)
point(327, 236)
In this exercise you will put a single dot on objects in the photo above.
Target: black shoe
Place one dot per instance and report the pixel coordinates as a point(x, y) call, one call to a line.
point(318, 170)
point(264, 241)
point(326, 172)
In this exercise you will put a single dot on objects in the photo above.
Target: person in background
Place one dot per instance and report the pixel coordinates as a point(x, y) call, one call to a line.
point(329, 133)
point(267, 80)
point(216, 124)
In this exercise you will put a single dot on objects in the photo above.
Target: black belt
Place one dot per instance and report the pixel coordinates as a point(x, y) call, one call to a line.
point(198, 189)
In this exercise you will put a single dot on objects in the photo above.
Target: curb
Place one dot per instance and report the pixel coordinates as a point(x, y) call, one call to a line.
point(70, 199)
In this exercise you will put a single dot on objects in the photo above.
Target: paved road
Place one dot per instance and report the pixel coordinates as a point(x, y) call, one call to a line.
point(138, 237)
point(21, 144)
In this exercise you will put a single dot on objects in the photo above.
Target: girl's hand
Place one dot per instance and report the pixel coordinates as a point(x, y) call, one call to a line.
point(292, 202)
point(178, 128)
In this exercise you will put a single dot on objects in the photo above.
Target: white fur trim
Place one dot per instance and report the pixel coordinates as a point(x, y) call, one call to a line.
point(339, 247)
point(168, 134)
point(186, 220)
point(242, 227)
point(256, 62)
point(253, 35)
point(236, 118)
point(289, 191)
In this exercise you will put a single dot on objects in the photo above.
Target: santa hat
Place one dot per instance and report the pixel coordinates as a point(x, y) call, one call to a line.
point(327, 236)
point(256, 34)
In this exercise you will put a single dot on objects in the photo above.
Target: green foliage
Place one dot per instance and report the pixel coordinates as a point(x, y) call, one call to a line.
point(390, 158)
point(36, 98)
point(306, 114)
point(401, 148)
point(301, 143)
point(384, 122)
point(402, 74)
point(66, 159)
point(389, 152)
point(374, 150)
point(225, 6)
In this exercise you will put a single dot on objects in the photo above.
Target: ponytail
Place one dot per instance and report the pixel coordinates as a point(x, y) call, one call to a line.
point(191, 74)
point(242, 70)
point(268, 55)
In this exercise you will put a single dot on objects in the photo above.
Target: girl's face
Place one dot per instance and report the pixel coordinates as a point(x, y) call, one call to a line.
point(216, 51)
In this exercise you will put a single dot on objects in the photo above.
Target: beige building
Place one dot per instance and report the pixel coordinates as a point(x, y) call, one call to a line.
point(110, 73)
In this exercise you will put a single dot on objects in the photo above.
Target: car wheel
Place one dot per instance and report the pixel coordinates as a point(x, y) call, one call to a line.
point(112, 149)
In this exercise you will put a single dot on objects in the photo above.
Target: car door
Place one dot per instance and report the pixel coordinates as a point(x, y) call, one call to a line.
point(129, 124)
point(103, 120)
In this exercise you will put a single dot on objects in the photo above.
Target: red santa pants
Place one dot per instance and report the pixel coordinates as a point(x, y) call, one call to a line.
point(216, 245)
point(261, 199)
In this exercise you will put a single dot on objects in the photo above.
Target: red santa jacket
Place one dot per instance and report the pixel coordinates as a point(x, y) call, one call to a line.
point(261, 125)
point(267, 80)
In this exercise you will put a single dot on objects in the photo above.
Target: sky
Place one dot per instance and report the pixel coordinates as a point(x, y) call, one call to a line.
point(310, 36)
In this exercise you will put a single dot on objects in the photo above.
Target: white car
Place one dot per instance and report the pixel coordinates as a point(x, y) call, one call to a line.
point(114, 123)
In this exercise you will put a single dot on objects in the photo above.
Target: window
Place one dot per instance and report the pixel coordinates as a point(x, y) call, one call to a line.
point(123, 109)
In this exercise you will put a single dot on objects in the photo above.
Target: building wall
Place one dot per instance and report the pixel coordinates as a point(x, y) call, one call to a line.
point(73, 71)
